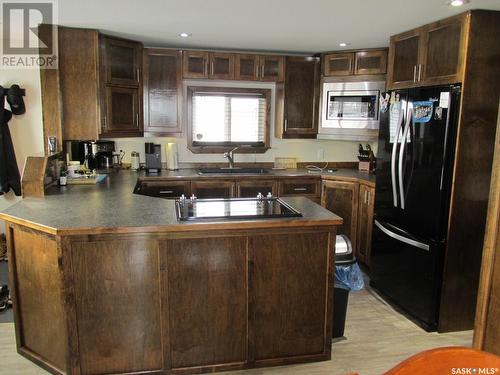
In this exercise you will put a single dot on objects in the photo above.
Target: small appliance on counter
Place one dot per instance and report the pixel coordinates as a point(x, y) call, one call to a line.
point(153, 157)
point(172, 156)
point(135, 162)
point(117, 159)
point(93, 154)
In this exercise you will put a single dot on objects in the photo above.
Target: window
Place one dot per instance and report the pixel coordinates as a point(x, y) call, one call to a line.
point(221, 118)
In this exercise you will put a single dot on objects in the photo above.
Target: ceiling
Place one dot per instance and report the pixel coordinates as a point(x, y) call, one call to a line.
point(260, 25)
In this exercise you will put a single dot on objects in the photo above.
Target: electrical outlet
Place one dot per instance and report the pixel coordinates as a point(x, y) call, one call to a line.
point(320, 154)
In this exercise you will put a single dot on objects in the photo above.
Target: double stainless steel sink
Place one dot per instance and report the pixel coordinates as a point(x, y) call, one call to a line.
point(235, 170)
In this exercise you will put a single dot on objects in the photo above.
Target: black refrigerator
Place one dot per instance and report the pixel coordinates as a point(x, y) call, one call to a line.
point(415, 161)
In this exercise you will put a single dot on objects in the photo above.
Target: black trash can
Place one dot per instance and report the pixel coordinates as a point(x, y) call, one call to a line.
point(347, 277)
point(340, 299)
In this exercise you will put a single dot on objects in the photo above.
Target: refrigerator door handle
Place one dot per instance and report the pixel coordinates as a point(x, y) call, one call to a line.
point(401, 238)
point(402, 154)
point(393, 157)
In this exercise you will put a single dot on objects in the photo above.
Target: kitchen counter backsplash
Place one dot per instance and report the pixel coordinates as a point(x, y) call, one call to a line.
point(304, 150)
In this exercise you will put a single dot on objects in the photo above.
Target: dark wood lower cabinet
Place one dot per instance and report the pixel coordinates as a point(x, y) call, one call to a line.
point(342, 198)
point(173, 302)
point(212, 189)
point(204, 282)
point(118, 318)
point(365, 223)
point(41, 310)
point(250, 189)
point(164, 189)
point(288, 294)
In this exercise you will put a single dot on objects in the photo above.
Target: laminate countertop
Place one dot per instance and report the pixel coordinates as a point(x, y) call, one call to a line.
point(111, 207)
point(193, 174)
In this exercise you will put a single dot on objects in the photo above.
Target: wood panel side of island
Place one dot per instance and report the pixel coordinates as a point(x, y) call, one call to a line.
point(36, 279)
point(173, 303)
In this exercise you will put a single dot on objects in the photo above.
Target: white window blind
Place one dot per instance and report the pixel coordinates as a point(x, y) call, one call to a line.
point(228, 117)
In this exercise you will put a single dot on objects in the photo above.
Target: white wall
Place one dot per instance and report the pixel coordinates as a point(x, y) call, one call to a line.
point(26, 130)
point(302, 149)
point(305, 150)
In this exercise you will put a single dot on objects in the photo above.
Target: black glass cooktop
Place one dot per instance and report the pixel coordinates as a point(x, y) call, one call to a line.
point(233, 209)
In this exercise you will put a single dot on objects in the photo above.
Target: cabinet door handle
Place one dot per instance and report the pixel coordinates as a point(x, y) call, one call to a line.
point(369, 197)
point(262, 71)
point(300, 189)
point(414, 73)
point(350, 65)
point(286, 124)
point(419, 72)
point(137, 72)
point(212, 68)
point(366, 197)
point(166, 191)
point(137, 119)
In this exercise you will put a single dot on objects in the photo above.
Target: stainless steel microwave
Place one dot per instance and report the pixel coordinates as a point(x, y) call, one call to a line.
point(350, 110)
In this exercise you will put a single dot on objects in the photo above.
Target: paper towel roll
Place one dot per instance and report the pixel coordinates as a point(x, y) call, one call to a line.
point(172, 156)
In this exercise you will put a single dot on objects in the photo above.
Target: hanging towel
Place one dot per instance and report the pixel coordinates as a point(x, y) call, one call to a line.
point(9, 173)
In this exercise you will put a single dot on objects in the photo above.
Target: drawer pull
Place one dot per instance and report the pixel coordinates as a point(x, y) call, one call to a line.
point(166, 191)
point(300, 189)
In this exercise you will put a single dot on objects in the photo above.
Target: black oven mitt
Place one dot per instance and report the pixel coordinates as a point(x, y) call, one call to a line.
point(15, 99)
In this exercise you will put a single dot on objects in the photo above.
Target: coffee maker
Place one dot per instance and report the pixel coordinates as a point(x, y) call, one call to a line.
point(93, 154)
point(153, 157)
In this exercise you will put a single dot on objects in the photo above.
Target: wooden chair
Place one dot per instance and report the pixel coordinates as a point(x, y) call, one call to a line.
point(444, 360)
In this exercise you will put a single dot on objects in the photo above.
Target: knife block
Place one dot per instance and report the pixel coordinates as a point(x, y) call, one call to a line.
point(367, 166)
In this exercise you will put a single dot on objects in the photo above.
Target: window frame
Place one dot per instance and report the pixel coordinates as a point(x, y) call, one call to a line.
point(221, 147)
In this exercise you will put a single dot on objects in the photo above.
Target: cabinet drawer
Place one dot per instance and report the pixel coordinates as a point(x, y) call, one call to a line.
point(300, 187)
point(165, 189)
point(250, 189)
point(213, 189)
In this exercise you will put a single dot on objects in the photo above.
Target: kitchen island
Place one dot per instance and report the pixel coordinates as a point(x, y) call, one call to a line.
point(106, 281)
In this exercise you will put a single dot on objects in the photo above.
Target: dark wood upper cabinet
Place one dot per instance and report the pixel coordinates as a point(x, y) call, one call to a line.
point(404, 59)
point(122, 112)
point(443, 55)
point(120, 89)
point(162, 91)
point(362, 62)
point(433, 54)
point(371, 62)
point(230, 66)
point(300, 95)
point(221, 65)
point(79, 84)
point(247, 67)
point(195, 64)
point(122, 59)
point(338, 64)
point(272, 68)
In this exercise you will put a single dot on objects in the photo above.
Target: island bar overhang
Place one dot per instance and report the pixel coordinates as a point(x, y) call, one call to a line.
point(179, 299)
